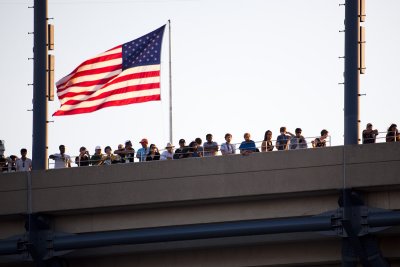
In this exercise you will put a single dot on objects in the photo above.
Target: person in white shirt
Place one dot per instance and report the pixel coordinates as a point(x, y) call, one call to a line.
point(61, 160)
point(23, 164)
point(227, 148)
point(168, 153)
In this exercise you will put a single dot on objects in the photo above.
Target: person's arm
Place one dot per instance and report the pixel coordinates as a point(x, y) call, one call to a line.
point(287, 143)
point(224, 149)
point(215, 147)
point(264, 146)
point(69, 162)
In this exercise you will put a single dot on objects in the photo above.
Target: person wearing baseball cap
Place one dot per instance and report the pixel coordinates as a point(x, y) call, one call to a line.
point(143, 151)
point(168, 153)
point(96, 157)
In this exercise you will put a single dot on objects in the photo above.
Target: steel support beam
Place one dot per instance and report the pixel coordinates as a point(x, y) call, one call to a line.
point(351, 75)
point(192, 232)
point(39, 137)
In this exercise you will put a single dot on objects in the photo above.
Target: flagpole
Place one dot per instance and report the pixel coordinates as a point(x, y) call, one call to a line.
point(170, 84)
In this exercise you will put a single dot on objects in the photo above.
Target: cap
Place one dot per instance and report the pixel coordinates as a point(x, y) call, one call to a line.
point(369, 124)
point(182, 141)
point(144, 140)
point(169, 145)
point(298, 130)
point(128, 142)
point(98, 147)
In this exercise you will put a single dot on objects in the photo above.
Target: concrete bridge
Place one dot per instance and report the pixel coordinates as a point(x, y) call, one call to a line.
point(275, 187)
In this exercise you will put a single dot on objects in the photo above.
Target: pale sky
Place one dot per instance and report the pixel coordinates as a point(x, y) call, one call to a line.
point(237, 66)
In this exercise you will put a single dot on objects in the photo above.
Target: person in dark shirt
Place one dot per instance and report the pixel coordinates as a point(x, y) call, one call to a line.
point(153, 153)
point(392, 134)
point(84, 158)
point(96, 157)
point(129, 153)
point(181, 152)
point(369, 135)
point(321, 141)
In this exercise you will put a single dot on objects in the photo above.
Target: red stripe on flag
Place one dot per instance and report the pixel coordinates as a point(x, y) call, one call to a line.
point(108, 104)
point(105, 82)
point(118, 91)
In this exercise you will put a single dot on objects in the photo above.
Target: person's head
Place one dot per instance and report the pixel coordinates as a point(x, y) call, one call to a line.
point(120, 146)
point(107, 150)
point(198, 141)
point(23, 152)
point(144, 142)
point(82, 150)
point(267, 135)
point(128, 144)
point(282, 130)
point(228, 137)
point(392, 128)
point(62, 149)
point(246, 137)
point(297, 132)
point(97, 150)
point(369, 126)
point(324, 133)
point(193, 146)
point(153, 149)
point(209, 137)
point(182, 143)
point(169, 147)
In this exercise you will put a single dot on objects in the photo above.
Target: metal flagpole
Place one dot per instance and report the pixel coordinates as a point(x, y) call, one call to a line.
point(170, 84)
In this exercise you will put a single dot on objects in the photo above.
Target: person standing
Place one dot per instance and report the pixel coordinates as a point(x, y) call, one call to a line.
point(129, 152)
point(392, 134)
point(108, 158)
point(227, 148)
point(210, 147)
point(321, 141)
point(153, 153)
point(84, 158)
point(96, 157)
point(167, 154)
point(369, 135)
point(298, 141)
point(283, 140)
point(143, 151)
point(61, 160)
point(181, 152)
point(23, 164)
point(266, 145)
point(247, 146)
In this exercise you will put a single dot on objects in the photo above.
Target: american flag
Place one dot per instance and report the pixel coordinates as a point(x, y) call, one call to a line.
point(123, 75)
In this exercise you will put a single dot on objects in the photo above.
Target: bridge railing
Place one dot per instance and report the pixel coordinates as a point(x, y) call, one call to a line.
point(309, 143)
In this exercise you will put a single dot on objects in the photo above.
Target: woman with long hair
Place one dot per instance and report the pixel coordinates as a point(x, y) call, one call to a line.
point(392, 134)
point(266, 145)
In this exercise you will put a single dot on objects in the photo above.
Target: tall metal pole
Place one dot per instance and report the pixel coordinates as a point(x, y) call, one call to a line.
point(39, 138)
point(351, 74)
point(170, 84)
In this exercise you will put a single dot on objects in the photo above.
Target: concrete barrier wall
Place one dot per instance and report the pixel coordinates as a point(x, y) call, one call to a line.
point(150, 194)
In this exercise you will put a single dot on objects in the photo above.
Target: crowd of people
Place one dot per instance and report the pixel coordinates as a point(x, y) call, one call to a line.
point(127, 154)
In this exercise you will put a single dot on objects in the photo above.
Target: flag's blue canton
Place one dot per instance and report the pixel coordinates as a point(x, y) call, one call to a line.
point(145, 50)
